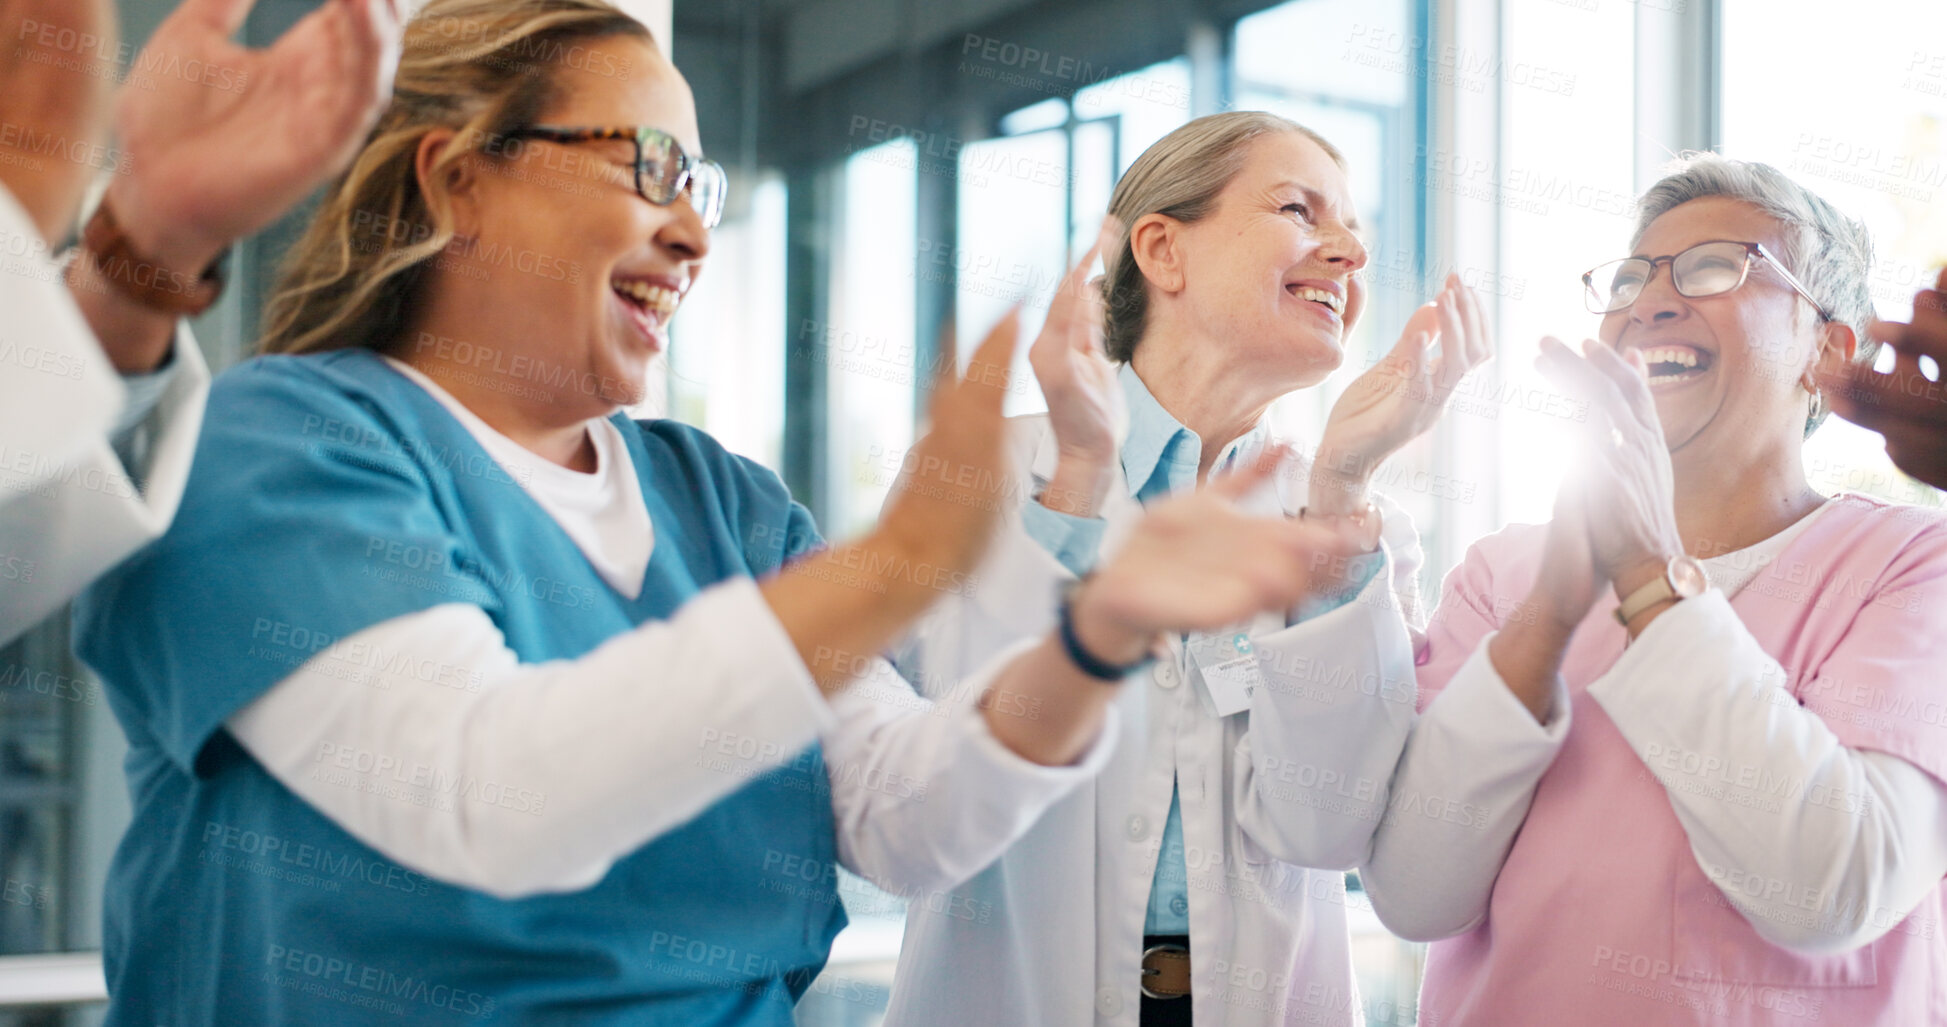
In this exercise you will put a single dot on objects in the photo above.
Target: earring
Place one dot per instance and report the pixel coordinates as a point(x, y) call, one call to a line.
point(1818, 404)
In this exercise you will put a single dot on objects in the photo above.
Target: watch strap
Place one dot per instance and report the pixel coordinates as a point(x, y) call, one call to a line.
point(141, 279)
point(1651, 593)
point(1078, 654)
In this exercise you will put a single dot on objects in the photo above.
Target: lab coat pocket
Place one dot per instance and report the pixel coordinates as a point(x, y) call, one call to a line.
point(1716, 944)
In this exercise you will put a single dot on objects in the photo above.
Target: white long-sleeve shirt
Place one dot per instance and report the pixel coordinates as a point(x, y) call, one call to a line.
point(75, 496)
point(924, 795)
point(1706, 709)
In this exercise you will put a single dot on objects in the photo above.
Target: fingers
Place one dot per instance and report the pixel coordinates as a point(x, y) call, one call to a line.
point(1480, 346)
point(1239, 483)
point(225, 16)
point(1453, 341)
point(1915, 337)
point(1873, 400)
point(988, 370)
point(1631, 378)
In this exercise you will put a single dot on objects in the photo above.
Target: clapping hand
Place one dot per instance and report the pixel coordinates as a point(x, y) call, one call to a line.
point(1198, 561)
point(221, 139)
point(1400, 398)
point(1631, 493)
point(1079, 384)
point(1904, 406)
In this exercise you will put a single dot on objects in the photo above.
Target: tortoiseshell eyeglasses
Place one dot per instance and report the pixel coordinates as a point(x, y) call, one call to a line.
point(663, 171)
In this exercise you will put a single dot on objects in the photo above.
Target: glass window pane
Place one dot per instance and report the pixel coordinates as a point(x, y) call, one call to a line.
point(1149, 101)
point(869, 349)
point(1350, 49)
point(1563, 185)
point(726, 374)
point(1012, 226)
point(1883, 161)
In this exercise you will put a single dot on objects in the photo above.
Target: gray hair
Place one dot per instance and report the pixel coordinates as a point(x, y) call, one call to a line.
point(1830, 253)
point(1179, 176)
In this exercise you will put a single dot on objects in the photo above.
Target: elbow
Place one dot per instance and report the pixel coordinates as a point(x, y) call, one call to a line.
point(1324, 846)
point(1415, 920)
point(1806, 934)
point(1324, 832)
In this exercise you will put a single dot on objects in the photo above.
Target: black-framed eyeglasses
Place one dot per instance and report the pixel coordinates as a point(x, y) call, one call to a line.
point(1706, 269)
point(663, 171)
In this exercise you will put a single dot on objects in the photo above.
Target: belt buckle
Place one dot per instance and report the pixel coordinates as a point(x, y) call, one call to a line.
point(1147, 973)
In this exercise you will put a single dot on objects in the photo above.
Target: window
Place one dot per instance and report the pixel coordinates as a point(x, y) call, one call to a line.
point(1876, 147)
point(726, 372)
point(869, 352)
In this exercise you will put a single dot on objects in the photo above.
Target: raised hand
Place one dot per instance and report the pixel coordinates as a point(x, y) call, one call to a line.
point(1400, 398)
point(54, 88)
point(1079, 384)
point(1197, 561)
point(958, 480)
point(221, 140)
point(1904, 405)
point(848, 602)
point(1631, 491)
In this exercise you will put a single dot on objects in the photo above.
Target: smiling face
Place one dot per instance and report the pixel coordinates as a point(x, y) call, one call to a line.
point(560, 260)
point(1269, 273)
point(1725, 370)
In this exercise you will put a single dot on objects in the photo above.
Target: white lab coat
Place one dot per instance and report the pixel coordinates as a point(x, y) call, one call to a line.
point(1051, 934)
point(69, 509)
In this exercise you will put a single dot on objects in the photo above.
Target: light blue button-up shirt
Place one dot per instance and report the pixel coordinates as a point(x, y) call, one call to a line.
point(1159, 457)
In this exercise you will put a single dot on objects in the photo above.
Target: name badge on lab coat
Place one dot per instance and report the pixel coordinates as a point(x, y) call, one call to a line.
point(1230, 670)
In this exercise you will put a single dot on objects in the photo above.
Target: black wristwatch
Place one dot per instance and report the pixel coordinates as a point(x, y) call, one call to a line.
point(1078, 654)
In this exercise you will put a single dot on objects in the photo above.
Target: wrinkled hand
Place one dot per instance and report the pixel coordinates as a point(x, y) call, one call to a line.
point(1903, 406)
point(1196, 561)
point(1401, 397)
point(1630, 489)
point(54, 88)
point(221, 140)
point(958, 479)
point(1079, 384)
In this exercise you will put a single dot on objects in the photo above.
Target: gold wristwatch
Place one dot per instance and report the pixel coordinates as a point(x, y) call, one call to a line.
point(1682, 578)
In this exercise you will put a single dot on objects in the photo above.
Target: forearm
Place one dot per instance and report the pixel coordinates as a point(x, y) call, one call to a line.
point(1340, 481)
point(1527, 655)
point(1821, 847)
point(1462, 791)
point(1078, 486)
point(137, 337)
point(852, 598)
point(1043, 708)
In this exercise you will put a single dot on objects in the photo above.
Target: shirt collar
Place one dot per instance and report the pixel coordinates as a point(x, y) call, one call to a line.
point(1160, 455)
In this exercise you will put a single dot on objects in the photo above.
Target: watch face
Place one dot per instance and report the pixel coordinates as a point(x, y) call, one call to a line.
point(1687, 577)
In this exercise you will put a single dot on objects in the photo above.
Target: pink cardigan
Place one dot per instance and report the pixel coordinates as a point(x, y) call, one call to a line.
point(1600, 914)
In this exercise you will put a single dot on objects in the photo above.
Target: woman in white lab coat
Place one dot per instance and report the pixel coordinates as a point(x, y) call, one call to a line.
point(92, 467)
point(1202, 872)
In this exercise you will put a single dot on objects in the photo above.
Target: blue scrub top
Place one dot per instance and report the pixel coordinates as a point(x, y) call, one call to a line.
point(330, 494)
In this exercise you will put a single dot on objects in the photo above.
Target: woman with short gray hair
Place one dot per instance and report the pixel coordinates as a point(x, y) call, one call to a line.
point(1719, 798)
